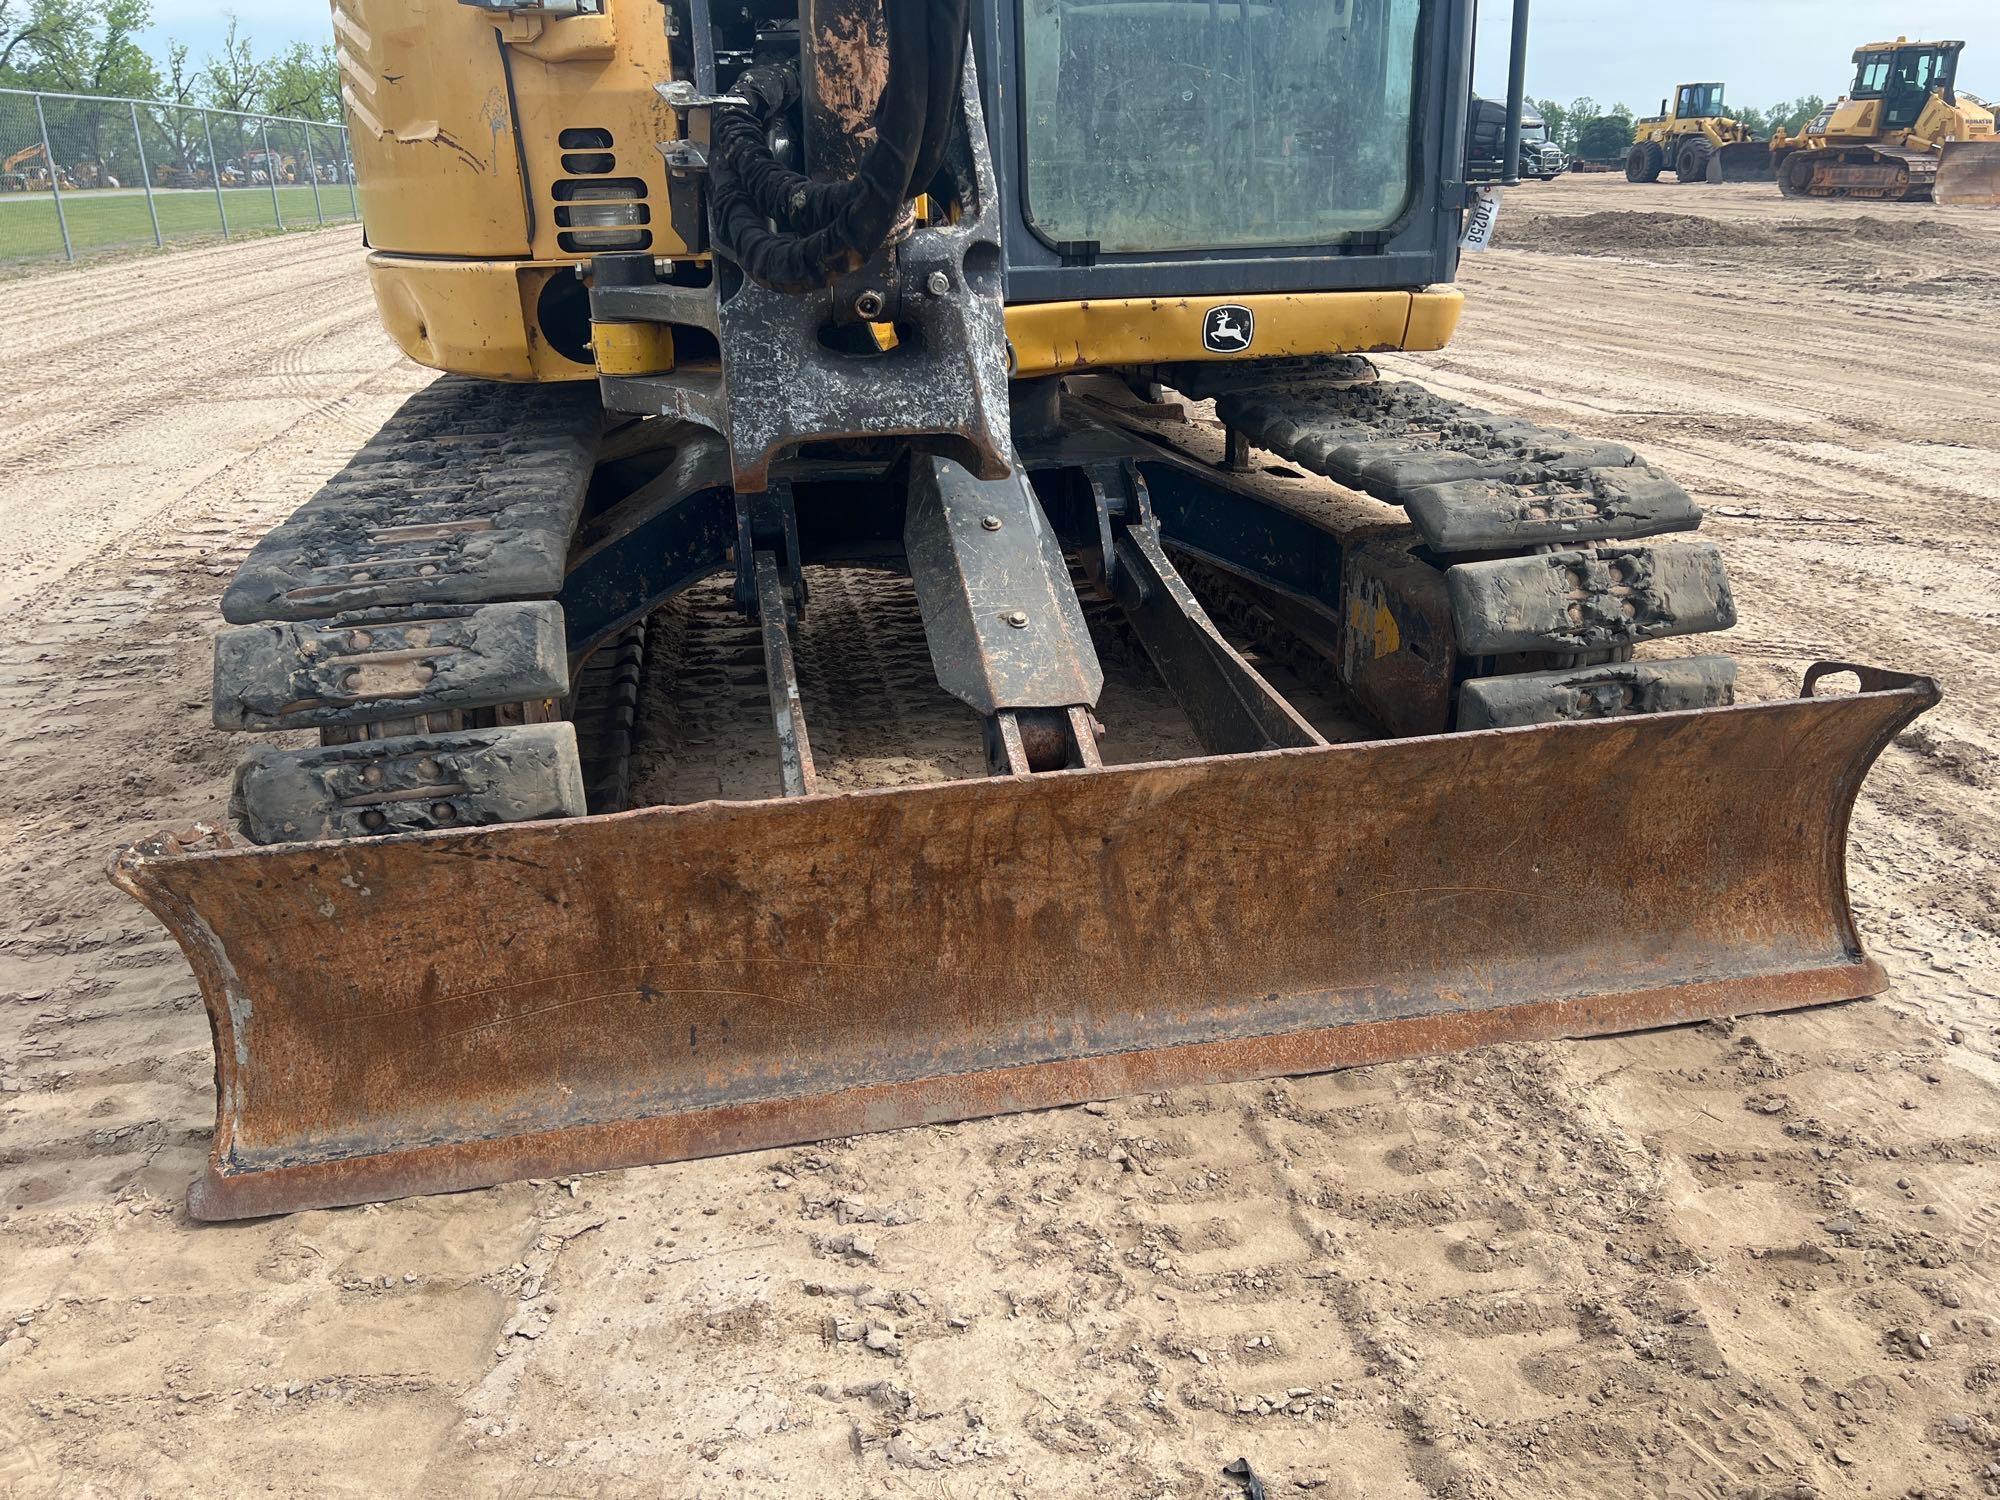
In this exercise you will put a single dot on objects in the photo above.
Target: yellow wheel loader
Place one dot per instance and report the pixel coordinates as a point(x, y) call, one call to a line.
point(1905, 132)
point(1687, 136)
point(823, 376)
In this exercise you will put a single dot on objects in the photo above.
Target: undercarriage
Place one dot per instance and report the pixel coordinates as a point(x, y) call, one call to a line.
point(1196, 704)
point(1351, 785)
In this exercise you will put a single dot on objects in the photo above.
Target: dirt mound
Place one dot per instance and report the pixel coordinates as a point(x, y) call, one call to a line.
point(1873, 231)
point(1620, 233)
point(1643, 234)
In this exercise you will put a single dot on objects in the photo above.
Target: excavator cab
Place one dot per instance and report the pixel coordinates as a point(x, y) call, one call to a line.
point(1275, 715)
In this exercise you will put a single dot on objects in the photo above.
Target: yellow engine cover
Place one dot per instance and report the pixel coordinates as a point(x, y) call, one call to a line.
point(478, 135)
point(495, 151)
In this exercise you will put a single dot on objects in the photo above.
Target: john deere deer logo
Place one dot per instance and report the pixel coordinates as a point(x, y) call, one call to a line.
point(1228, 329)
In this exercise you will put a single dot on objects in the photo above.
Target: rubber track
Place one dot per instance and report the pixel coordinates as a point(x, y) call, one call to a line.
point(468, 497)
point(1508, 492)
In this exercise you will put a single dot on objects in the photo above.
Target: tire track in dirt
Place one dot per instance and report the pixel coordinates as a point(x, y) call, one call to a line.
point(195, 366)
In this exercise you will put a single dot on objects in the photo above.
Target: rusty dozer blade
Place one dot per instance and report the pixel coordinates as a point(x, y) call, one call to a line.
point(1742, 161)
point(450, 1010)
point(1968, 175)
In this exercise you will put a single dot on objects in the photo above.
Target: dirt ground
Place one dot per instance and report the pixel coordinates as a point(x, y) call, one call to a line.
point(1759, 1259)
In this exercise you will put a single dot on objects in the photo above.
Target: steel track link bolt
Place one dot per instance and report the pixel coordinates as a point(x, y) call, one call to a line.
point(1018, 618)
point(991, 523)
point(938, 284)
point(868, 306)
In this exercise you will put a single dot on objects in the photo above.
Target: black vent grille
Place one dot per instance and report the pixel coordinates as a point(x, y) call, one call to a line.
point(595, 210)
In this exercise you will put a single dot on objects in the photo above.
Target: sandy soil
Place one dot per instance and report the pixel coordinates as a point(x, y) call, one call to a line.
point(1759, 1259)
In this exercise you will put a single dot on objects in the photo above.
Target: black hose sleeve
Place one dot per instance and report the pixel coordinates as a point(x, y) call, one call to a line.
point(949, 34)
point(829, 228)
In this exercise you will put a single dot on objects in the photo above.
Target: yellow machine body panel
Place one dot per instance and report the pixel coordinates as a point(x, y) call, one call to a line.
point(495, 152)
point(434, 147)
point(472, 317)
point(1856, 122)
point(479, 317)
point(1058, 337)
point(484, 135)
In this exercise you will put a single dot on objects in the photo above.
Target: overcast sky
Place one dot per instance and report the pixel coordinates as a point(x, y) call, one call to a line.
point(1765, 50)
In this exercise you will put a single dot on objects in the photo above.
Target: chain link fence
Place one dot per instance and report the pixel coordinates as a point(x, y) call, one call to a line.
point(81, 174)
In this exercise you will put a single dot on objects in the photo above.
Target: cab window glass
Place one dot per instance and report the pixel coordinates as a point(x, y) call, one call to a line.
point(1167, 125)
point(1701, 101)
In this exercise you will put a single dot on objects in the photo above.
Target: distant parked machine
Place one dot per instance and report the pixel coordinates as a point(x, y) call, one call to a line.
point(24, 170)
point(1904, 132)
point(183, 175)
point(1542, 160)
point(1688, 133)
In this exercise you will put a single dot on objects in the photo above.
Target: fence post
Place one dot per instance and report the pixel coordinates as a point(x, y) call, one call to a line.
point(347, 166)
point(312, 171)
point(146, 178)
point(271, 170)
point(55, 187)
point(215, 172)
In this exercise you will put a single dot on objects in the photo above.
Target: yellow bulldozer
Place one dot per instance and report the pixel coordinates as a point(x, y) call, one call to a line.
point(1905, 132)
point(823, 374)
point(1687, 136)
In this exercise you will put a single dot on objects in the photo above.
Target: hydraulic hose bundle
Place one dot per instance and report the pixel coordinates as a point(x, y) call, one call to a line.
point(825, 229)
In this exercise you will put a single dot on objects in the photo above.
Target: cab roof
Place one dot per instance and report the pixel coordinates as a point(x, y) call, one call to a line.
point(1904, 44)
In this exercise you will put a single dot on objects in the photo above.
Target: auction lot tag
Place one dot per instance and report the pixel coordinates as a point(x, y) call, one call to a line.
point(1480, 222)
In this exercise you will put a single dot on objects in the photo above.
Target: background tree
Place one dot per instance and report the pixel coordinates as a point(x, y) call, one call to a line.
point(233, 78)
point(175, 139)
point(1795, 116)
point(89, 47)
point(20, 29)
point(1556, 117)
point(303, 80)
point(1605, 137)
point(84, 47)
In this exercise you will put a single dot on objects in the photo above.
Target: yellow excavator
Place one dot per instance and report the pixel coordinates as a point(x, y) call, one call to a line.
point(829, 381)
point(1905, 132)
point(25, 168)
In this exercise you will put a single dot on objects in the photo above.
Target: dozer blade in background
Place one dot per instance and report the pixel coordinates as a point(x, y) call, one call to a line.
point(1968, 175)
point(451, 1010)
point(1742, 161)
